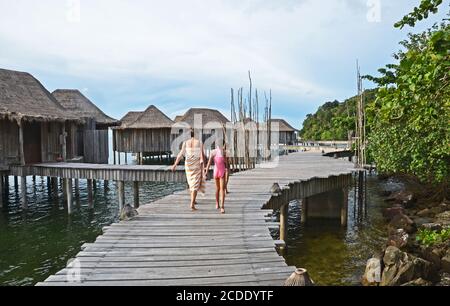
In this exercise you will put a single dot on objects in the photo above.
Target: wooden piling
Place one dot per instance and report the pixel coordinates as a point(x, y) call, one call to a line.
point(284, 212)
point(69, 195)
point(23, 191)
point(1, 191)
point(344, 208)
point(16, 182)
point(77, 189)
point(136, 194)
point(90, 194)
point(121, 194)
point(304, 215)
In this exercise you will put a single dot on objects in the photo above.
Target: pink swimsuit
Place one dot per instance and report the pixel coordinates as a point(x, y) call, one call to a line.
point(219, 164)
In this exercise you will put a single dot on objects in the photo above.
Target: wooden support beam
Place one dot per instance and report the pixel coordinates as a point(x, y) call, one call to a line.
point(77, 188)
point(16, 182)
point(106, 185)
point(63, 141)
point(90, 194)
point(284, 212)
point(304, 215)
point(21, 150)
point(121, 194)
point(55, 185)
point(344, 208)
point(23, 191)
point(69, 195)
point(1, 191)
point(118, 153)
point(114, 157)
point(136, 194)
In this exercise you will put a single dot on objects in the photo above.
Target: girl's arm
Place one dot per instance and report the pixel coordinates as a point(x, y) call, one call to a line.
point(211, 157)
point(180, 155)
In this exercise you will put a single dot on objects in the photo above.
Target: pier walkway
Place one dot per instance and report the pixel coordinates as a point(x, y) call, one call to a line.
point(168, 244)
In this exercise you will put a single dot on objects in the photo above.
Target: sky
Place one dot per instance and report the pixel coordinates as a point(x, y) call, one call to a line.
point(175, 54)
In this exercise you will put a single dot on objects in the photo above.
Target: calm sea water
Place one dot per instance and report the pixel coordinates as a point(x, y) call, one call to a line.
point(334, 255)
point(38, 242)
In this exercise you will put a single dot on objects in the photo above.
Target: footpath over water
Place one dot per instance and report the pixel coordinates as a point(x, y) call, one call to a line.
point(168, 244)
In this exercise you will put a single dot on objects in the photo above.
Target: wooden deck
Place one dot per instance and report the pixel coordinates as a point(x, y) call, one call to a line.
point(167, 244)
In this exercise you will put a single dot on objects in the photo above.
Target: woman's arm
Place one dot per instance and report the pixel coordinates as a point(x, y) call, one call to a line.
point(211, 157)
point(180, 155)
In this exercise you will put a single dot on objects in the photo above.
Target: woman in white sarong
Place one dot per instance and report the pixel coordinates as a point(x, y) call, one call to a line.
point(194, 164)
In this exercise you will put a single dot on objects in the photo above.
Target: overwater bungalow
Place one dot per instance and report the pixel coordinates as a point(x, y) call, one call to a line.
point(205, 119)
point(144, 133)
point(287, 134)
point(93, 142)
point(34, 127)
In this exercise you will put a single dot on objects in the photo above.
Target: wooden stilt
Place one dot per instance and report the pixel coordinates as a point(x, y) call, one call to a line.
point(121, 194)
point(136, 194)
point(90, 194)
point(69, 195)
point(23, 190)
point(344, 208)
point(16, 182)
point(64, 187)
point(106, 185)
point(77, 188)
point(94, 184)
point(284, 211)
point(304, 215)
point(1, 191)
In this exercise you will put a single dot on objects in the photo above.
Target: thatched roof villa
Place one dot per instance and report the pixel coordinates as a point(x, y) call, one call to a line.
point(74, 101)
point(93, 138)
point(288, 134)
point(32, 121)
point(147, 132)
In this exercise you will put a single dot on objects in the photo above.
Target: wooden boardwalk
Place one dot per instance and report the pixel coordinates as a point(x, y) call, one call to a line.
point(167, 244)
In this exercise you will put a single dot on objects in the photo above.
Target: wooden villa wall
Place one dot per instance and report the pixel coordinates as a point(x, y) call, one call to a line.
point(9, 143)
point(95, 146)
point(143, 141)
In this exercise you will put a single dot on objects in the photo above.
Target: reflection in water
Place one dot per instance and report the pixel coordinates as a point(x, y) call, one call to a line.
point(38, 242)
point(334, 255)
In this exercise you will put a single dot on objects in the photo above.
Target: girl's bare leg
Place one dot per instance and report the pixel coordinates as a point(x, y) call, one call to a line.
point(217, 193)
point(222, 193)
point(193, 199)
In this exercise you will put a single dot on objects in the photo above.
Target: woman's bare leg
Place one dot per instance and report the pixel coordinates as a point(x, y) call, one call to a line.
point(222, 193)
point(193, 199)
point(217, 193)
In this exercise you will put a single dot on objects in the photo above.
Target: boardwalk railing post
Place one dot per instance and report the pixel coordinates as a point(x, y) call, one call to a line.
point(23, 190)
point(136, 194)
point(121, 194)
point(69, 195)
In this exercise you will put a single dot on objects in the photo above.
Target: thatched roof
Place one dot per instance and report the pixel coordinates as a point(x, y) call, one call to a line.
point(284, 125)
point(23, 97)
point(151, 118)
point(208, 115)
point(74, 101)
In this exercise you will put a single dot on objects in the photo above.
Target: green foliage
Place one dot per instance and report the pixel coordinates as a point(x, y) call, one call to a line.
point(409, 120)
point(333, 120)
point(419, 13)
point(429, 238)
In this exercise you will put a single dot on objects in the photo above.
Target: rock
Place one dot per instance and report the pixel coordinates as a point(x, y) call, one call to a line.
point(390, 213)
point(443, 218)
point(432, 255)
point(418, 282)
point(421, 221)
point(401, 268)
point(445, 262)
point(372, 275)
point(424, 213)
point(128, 213)
point(403, 197)
point(437, 210)
point(398, 238)
point(402, 221)
point(445, 280)
point(431, 226)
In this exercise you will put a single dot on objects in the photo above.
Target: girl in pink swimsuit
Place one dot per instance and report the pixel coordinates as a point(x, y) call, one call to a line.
point(220, 175)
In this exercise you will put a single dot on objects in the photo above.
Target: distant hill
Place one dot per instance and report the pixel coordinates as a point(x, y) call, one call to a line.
point(333, 120)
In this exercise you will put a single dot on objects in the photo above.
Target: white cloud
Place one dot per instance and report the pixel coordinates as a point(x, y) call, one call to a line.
point(195, 49)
